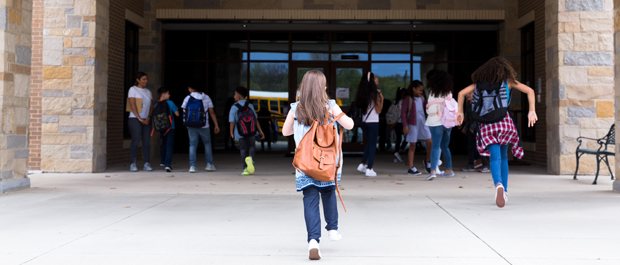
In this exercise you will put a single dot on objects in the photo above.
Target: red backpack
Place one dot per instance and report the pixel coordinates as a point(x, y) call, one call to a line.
point(246, 120)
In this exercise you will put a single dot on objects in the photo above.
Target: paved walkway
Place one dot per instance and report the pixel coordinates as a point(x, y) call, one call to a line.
point(221, 217)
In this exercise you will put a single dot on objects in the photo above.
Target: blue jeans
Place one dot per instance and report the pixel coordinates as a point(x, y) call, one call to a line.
point(499, 164)
point(371, 131)
point(441, 141)
point(312, 213)
point(167, 147)
point(139, 132)
point(205, 135)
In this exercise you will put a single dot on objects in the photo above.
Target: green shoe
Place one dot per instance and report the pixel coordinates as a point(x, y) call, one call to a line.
point(250, 164)
point(245, 172)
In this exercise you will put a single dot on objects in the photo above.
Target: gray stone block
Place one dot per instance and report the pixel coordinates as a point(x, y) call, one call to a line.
point(53, 93)
point(81, 155)
point(74, 22)
point(572, 121)
point(75, 51)
point(49, 118)
point(6, 174)
point(69, 10)
point(71, 129)
point(201, 4)
point(3, 18)
point(14, 184)
point(550, 55)
point(584, 5)
point(82, 112)
point(374, 4)
point(562, 91)
point(90, 61)
point(581, 112)
point(23, 153)
point(68, 93)
point(16, 141)
point(84, 29)
point(81, 148)
point(589, 58)
point(23, 55)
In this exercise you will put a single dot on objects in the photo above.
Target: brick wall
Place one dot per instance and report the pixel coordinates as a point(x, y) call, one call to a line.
point(538, 157)
point(36, 85)
point(116, 90)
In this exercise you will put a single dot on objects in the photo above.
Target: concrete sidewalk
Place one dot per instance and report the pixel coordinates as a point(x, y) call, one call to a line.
point(221, 217)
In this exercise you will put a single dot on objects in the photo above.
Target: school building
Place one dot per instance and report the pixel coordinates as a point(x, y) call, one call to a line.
point(67, 66)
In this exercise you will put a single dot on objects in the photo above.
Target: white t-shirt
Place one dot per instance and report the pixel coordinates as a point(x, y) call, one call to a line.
point(206, 102)
point(372, 114)
point(434, 110)
point(147, 98)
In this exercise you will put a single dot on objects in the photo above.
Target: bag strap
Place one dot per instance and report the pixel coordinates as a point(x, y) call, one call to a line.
point(336, 118)
point(368, 115)
point(338, 166)
point(410, 99)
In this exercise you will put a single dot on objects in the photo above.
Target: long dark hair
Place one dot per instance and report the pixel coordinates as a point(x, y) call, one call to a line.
point(440, 84)
point(412, 85)
point(366, 92)
point(497, 69)
point(401, 93)
point(139, 75)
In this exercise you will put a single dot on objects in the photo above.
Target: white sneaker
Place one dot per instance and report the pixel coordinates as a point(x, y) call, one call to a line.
point(397, 155)
point(500, 196)
point(192, 169)
point(210, 167)
point(362, 168)
point(439, 163)
point(334, 235)
point(314, 253)
point(371, 172)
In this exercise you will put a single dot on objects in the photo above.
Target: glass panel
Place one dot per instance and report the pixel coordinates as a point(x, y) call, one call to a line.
point(391, 46)
point(269, 83)
point(310, 46)
point(391, 77)
point(420, 70)
point(227, 46)
point(347, 81)
point(430, 51)
point(350, 46)
point(186, 45)
point(301, 71)
point(268, 46)
point(269, 77)
point(482, 49)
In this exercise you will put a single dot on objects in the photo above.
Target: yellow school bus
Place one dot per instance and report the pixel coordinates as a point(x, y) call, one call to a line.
point(276, 102)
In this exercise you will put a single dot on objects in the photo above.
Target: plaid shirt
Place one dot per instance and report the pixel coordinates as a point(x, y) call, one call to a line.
point(502, 132)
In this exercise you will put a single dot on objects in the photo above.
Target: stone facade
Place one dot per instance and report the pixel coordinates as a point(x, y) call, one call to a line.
point(616, 186)
point(580, 79)
point(74, 86)
point(15, 53)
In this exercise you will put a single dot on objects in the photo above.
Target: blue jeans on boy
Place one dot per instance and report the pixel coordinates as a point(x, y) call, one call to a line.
point(312, 213)
point(205, 135)
point(499, 164)
point(167, 147)
point(441, 141)
point(371, 131)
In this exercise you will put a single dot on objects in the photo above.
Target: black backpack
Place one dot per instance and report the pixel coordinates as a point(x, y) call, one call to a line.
point(246, 120)
point(490, 102)
point(162, 120)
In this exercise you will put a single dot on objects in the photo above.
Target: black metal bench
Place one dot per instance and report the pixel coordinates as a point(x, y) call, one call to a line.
point(601, 153)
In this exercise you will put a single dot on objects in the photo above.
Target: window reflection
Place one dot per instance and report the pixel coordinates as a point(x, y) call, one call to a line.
point(310, 47)
point(349, 47)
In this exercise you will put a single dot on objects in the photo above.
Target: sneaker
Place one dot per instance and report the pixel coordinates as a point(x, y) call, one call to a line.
point(431, 176)
point(245, 172)
point(168, 169)
point(395, 160)
point(313, 250)
point(334, 235)
point(210, 167)
point(484, 170)
point(250, 163)
point(162, 165)
point(147, 166)
point(468, 169)
point(371, 172)
point(505, 197)
point(413, 171)
point(427, 166)
point(397, 155)
point(478, 163)
point(445, 175)
point(192, 169)
point(133, 167)
point(500, 196)
point(362, 168)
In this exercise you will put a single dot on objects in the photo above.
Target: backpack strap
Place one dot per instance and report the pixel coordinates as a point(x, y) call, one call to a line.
point(410, 100)
point(338, 166)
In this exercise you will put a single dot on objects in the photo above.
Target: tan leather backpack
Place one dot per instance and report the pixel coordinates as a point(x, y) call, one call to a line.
point(318, 153)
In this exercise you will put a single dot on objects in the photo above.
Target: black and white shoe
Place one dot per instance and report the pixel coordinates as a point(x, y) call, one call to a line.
point(427, 166)
point(413, 171)
point(168, 169)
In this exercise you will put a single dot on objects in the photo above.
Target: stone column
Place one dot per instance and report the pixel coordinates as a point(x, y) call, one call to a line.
point(15, 57)
point(616, 185)
point(75, 38)
point(580, 79)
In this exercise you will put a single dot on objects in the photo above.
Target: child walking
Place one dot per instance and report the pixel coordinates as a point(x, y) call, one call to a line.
point(167, 138)
point(370, 101)
point(440, 89)
point(311, 105)
point(414, 124)
point(492, 85)
point(247, 145)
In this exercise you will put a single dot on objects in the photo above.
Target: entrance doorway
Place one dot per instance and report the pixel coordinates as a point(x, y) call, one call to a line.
point(342, 81)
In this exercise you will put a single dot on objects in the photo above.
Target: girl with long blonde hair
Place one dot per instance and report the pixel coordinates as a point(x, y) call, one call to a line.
point(312, 104)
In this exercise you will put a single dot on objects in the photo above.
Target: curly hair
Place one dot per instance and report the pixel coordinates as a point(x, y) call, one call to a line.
point(497, 69)
point(440, 84)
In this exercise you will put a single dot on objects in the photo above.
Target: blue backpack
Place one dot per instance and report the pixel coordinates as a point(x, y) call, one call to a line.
point(194, 115)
